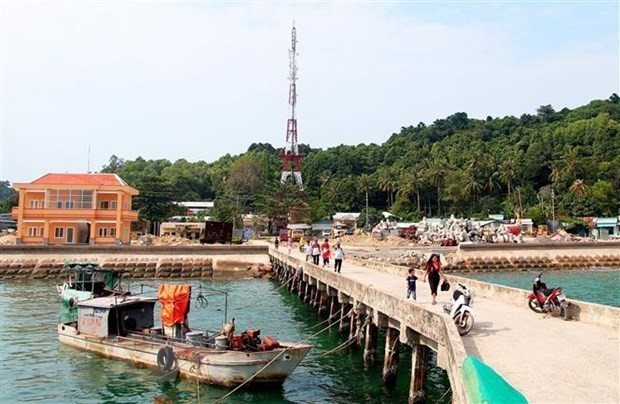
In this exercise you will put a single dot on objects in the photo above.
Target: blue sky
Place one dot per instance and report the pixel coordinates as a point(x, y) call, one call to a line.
point(197, 80)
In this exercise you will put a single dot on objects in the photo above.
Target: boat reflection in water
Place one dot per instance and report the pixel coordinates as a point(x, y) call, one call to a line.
point(123, 327)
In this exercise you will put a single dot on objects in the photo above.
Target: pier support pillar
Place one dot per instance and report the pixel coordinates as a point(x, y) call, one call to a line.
point(419, 369)
point(323, 303)
point(370, 343)
point(353, 327)
point(390, 362)
point(344, 318)
point(333, 309)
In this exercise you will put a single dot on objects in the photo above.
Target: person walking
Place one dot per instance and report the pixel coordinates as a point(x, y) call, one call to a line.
point(338, 257)
point(316, 252)
point(277, 242)
point(289, 245)
point(308, 251)
point(326, 253)
point(411, 278)
point(434, 273)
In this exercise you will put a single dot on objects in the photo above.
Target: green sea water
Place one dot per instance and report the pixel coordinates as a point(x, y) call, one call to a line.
point(600, 286)
point(35, 367)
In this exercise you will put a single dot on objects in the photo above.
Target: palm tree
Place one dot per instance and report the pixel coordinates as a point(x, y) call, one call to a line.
point(573, 163)
point(410, 184)
point(387, 183)
point(578, 187)
point(436, 173)
point(492, 182)
point(473, 186)
point(507, 173)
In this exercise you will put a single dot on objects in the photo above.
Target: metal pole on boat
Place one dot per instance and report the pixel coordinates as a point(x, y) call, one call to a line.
point(225, 307)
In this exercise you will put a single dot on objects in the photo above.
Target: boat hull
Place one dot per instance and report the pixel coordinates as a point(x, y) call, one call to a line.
point(212, 366)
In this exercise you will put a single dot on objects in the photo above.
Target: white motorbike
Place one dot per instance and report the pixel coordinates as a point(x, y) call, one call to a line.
point(460, 310)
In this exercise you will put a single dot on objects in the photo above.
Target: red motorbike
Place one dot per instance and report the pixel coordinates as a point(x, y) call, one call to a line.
point(544, 300)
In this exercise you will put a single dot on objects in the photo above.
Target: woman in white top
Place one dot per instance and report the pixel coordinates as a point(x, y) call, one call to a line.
point(338, 257)
point(308, 251)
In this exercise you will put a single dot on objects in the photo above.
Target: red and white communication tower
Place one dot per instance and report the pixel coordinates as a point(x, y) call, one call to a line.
point(291, 159)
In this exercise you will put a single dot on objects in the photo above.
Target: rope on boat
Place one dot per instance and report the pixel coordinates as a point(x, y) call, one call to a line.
point(288, 348)
point(444, 394)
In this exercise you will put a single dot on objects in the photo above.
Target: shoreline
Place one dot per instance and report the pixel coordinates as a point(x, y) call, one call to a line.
point(151, 262)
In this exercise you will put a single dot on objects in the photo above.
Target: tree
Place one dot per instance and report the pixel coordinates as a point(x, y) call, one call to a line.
point(578, 187)
point(154, 204)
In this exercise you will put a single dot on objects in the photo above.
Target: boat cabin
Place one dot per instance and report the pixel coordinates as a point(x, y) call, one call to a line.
point(115, 316)
point(91, 277)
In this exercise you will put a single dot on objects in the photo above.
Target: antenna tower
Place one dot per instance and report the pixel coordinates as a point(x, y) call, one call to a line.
point(291, 159)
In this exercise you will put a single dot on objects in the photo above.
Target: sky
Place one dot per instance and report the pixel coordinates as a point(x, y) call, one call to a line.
point(81, 81)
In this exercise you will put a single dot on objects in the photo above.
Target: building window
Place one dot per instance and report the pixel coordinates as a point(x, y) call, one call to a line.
point(33, 203)
point(103, 232)
point(112, 231)
point(79, 198)
point(104, 205)
point(113, 204)
point(32, 231)
point(40, 231)
point(59, 232)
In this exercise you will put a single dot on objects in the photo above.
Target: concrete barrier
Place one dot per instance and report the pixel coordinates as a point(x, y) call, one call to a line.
point(601, 315)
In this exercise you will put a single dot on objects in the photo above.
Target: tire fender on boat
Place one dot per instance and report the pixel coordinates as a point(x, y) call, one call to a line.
point(73, 302)
point(165, 358)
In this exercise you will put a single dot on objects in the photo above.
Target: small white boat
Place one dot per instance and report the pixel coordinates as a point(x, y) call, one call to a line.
point(122, 327)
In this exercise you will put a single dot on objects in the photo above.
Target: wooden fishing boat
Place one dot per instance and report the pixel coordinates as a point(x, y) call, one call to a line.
point(123, 327)
point(87, 280)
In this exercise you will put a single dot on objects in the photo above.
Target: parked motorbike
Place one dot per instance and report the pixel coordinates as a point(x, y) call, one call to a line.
point(545, 300)
point(460, 310)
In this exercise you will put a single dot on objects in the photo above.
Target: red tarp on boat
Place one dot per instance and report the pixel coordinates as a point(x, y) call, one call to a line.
point(174, 301)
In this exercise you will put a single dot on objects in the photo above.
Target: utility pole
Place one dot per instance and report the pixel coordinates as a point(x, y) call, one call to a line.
point(552, 210)
point(366, 228)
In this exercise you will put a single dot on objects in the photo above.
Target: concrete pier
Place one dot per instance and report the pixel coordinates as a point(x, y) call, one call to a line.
point(501, 337)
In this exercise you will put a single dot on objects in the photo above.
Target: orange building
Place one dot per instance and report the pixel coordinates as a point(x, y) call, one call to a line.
point(74, 209)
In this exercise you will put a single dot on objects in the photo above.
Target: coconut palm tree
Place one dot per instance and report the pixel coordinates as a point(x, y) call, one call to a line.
point(578, 187)
point(507, 173)
point(436, 174)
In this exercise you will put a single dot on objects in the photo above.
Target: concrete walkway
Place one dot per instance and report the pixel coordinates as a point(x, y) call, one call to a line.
point(549, 360)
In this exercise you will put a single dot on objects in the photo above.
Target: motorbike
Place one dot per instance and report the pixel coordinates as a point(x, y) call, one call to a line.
point(544, 300)
point(460, 310)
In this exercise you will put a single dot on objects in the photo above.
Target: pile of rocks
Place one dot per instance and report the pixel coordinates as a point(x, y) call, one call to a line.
point(464, 230)
point(8, 239)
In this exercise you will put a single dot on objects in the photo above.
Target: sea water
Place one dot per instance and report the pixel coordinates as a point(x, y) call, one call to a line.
point(596, 285)
point(35, 367)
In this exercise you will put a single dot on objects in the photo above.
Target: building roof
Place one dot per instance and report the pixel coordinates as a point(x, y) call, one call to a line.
point(606, 221)
point(204, 205)
point(346, 215)
point(80, 179)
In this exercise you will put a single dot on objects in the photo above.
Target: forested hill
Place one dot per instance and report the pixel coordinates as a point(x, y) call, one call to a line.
point(468, 167)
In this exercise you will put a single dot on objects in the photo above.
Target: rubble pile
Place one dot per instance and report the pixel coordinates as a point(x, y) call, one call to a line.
point(370, 240)
point(164, 240)
point(464, 230)
point(8, 239)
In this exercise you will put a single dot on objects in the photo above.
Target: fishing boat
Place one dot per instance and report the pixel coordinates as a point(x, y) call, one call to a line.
point(87, 280)
point(123, 327)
